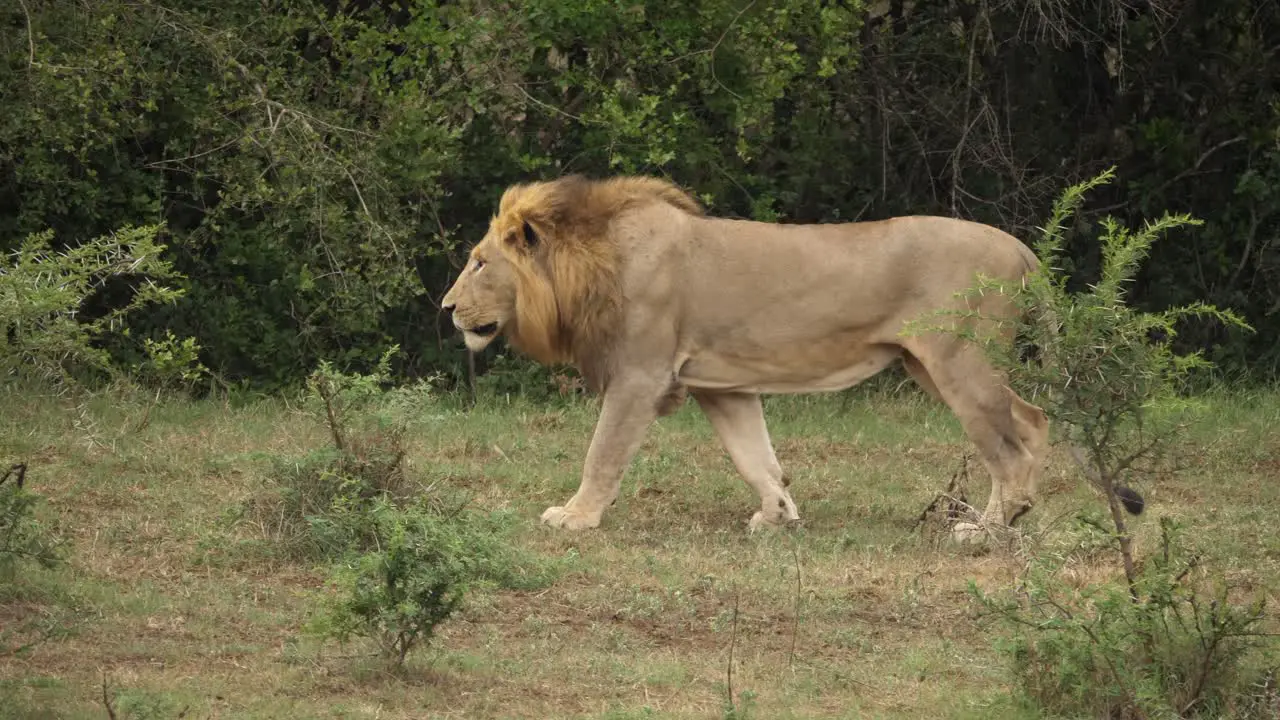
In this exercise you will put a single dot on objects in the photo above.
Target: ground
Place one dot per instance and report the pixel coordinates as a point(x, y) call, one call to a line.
point(174, 599)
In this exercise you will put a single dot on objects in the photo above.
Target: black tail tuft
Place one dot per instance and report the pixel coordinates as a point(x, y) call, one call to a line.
point(1028, 352)
point(1131, 500)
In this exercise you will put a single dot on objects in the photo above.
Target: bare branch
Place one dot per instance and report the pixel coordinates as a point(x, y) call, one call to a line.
point(31, 38)
point(1193, 170)
point(733, 641)
point(106, 699)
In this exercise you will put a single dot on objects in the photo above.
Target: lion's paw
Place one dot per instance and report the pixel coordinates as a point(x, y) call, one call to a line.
point(770, 521)
point(967, 532)
point(781, 515)
point(563, 517)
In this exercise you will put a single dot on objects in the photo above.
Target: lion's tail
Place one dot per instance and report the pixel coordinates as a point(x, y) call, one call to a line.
point(1131, 499)
point(1029, 260)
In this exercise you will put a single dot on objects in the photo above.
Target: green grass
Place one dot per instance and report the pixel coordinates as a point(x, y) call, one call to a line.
point(180, 601)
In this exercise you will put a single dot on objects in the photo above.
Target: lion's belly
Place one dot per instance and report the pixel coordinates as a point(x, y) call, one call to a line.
point(794, 371)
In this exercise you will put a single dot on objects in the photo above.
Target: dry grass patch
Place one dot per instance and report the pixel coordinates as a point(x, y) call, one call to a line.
point(182, 603)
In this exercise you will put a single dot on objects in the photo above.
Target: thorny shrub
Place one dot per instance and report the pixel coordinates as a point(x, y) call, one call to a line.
point(404, 558)
point(1170, 641)
point(1184, 649)
point(365, 460)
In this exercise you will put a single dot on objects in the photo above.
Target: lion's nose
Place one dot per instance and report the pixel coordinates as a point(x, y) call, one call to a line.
point(448, 308)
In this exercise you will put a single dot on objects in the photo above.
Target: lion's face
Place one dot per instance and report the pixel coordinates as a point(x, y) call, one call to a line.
point(483, 298)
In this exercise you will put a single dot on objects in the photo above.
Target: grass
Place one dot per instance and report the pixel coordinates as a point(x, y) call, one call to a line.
point(176, 598)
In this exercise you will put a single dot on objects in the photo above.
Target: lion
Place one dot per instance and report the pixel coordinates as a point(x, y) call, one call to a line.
point(651, 299)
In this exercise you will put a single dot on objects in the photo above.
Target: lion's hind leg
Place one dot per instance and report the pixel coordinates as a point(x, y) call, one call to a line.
point(1011, 434)
point(738, 420)
point(1033, 427)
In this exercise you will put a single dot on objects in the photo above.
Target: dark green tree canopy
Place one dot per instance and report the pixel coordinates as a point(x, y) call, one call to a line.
point(318, 166)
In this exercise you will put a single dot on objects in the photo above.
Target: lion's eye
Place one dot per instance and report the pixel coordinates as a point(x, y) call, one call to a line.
point(479, 265)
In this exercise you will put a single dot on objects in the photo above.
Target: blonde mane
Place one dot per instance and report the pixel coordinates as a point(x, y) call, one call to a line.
point(568, 295)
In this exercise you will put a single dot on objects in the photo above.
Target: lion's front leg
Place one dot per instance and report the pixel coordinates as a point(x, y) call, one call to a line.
point(629, 408)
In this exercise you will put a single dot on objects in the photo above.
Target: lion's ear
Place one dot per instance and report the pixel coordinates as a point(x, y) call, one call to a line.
point(531, 237)
point(527, 238)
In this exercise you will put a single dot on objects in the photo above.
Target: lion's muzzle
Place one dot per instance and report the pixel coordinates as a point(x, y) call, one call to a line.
point(484, 330)
point(479, 336)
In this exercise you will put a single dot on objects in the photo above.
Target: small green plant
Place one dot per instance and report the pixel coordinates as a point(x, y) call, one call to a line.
point(1106, 374)
point(367, 422)
point(25, 544)
point(172, 363)
point(1184, 649)
point(405, 564)
point(42, 290)
point(22, 538)
point(743, 709)
point(422, 563)
point(310, 506)
point(302, 490)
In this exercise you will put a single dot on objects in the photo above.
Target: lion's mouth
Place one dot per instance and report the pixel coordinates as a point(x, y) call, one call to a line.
point(484, 330)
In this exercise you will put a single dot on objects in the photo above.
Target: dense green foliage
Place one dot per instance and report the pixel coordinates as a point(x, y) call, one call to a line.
point(319, 164)
point(43, 294)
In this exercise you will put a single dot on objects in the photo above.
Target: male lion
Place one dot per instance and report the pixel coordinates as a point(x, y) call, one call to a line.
point(628, 280)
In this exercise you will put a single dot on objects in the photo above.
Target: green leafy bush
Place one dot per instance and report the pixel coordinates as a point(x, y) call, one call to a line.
point(172, 363)
point(1185, 648)
point(405, 557)
point(22, 538)
point(420, 565)
point(44, 331)
point(364, 462)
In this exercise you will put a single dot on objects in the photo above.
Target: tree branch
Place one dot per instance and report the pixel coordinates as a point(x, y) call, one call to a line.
point(31, 38)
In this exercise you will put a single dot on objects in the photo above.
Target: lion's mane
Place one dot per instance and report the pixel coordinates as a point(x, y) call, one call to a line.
point(569, 297)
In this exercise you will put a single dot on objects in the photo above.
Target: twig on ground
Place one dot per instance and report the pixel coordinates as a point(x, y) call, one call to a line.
point(733, 640)
point(955, 494)
point(18, 472)
point(106, 699)
point(795, 616)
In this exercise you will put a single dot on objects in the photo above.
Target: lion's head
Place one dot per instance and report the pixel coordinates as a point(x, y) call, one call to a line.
point(483, 299)
point(546, 273)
